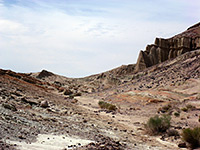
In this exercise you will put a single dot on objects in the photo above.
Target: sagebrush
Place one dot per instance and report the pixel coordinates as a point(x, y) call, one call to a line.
point(158, 124)
point(192, 137)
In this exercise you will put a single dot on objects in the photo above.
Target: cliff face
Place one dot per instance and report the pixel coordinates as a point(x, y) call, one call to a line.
point(164, 49)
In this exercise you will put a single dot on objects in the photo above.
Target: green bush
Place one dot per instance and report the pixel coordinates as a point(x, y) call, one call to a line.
point(108, 106)
point(192, 137)
point(157, 125)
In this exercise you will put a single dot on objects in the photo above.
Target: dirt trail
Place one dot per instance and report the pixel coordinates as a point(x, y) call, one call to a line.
point(129, 127)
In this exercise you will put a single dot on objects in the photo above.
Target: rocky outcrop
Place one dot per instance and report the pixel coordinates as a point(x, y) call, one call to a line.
point(164, 49)
point(44, 74)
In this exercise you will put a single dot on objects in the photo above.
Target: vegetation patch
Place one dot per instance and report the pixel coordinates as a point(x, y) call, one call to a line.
point(158, 124)
point(188, 107)
point(165, 108)
point(184, 109)
point(192, 137)
point(176, 114)
point(108, 106)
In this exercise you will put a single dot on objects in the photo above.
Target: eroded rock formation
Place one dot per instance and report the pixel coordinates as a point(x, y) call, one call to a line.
point(164, 49)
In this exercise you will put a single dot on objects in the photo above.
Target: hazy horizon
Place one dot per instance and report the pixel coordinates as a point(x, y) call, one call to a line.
point(78, 38)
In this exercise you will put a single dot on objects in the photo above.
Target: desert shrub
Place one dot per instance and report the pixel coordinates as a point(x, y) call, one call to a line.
point(184, 109)
point(165, 108)
point(157, 125)
point(190, 107)
point(71, 97)
point(108, 106)
point(177, 114)
point(172, 132)
point(192, 137)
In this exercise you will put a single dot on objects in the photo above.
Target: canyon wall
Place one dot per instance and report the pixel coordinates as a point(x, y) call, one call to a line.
point(164, 49)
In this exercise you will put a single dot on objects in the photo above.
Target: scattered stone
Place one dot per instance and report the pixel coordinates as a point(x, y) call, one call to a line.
point(25, 100)
point(84, 121)
point(9, 106)
point(68, 92)
point(44, 104)
point(21, 137)
point(172, 132)
point(16, 94)
point(74, 101)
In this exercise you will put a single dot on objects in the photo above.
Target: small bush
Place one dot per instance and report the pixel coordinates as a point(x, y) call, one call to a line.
point(165, 108)
point(192, 137)
point(177, 114)
point(71, 97)
point(184, 109)
point(172, 132)
point(190, 107)
point(157, 125)
point(108, 106)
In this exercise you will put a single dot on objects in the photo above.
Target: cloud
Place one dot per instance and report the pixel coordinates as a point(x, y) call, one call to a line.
point(11, 27)
point(78, 38)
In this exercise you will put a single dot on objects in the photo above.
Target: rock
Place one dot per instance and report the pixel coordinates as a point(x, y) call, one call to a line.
point(44, 74)
point(84, 121)
point(74, 101)
point(182, 145)
point(68, 92)
point(9, 106)
point(44, 104)
point(164, 49)
point(77, 94)
point(21, 137)
point(16, 94)
point(25, 100)
point(172, 132)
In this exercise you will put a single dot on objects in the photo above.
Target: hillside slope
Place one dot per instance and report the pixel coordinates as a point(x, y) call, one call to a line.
point(48, 111)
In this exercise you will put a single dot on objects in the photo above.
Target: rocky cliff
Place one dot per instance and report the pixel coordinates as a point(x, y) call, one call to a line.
point(164, 49)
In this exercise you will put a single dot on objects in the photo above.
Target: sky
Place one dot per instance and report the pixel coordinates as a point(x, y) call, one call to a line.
point(77, 38)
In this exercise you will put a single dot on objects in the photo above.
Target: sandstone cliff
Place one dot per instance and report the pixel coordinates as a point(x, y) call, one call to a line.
point(164, 49)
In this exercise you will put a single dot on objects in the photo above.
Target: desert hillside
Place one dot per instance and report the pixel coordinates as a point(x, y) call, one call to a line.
point(107, 111)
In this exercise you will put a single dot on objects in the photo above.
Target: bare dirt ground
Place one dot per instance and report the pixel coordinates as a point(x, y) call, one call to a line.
point(55, 112)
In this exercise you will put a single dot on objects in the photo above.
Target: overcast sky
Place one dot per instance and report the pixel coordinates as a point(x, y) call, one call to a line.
point(77, 38)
